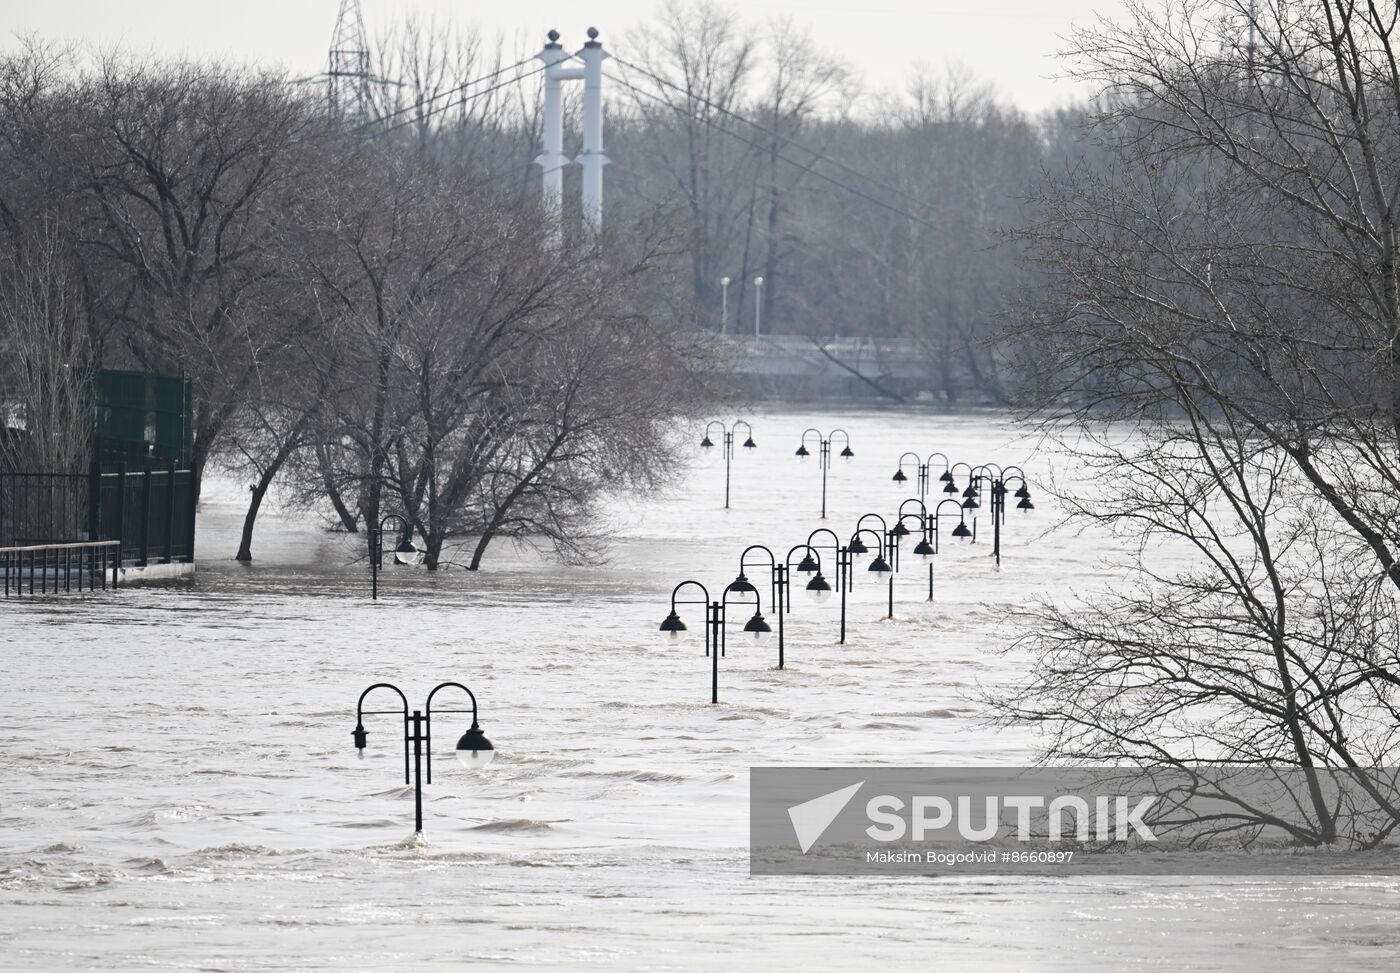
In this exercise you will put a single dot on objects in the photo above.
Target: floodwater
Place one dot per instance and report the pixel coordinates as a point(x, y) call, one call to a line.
point(180, 790)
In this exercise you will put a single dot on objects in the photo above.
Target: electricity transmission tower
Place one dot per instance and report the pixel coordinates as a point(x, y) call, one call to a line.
point(347, 69)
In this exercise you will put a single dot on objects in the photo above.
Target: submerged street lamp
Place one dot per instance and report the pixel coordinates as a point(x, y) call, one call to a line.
point(882, 567)
point(923, 469)
point(818, 588)
point(923, 549)
point(404, 551)
point(960, 531)
point(998, 491)
point(727, 438)
point(780, 584)
point(824, 453)
point(474, 751)
point(674, 632)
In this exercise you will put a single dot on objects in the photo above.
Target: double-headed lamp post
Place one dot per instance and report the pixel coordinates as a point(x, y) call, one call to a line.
point(824, 453)
point(780, 585)
point(674, 631)
point(924, 468)
point(404, 551)
point(727, 440)
point(474, 751)
point(998, 491)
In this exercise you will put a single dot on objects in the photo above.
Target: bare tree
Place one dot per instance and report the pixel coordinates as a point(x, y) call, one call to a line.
point(1226, 283)
point(190, 170)
point(705, 60)
point(49, 361)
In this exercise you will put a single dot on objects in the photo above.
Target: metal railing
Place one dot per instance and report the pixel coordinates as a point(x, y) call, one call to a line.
point(59, 568)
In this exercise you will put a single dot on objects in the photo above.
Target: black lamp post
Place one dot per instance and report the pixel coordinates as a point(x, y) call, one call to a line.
point(998, 492)
point(824, 453)
point(818, 587)
point(882, 567)
point(674, 631)
point(924, 549)
point(818, 590)
point(404, 551)
point(924, 469)
point(474, 751)
point(727, 439)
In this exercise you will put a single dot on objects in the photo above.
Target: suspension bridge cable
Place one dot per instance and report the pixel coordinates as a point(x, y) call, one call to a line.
point(458, 89)
point(777, 136)
point(807, 167)
point(464, 100)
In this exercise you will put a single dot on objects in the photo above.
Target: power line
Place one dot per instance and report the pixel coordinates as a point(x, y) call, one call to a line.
point(777, 136)
point(464, 100)
point(459, 89)
point(808, 167)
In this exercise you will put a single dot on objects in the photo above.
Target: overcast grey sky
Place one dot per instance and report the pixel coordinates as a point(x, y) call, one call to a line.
point(1011, 43)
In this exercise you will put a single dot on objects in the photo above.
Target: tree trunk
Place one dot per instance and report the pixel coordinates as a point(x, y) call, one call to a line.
point(480, 550)
point(347, 519)
point(245, 545)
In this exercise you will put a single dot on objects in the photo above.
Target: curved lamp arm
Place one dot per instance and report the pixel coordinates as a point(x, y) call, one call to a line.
point(360, 736)
point(845, 437)
point(428, 721)
point(428, 709)
point(403, 522)
point(879, 538)
point(993, 472)
point(923, 510)
point(677, 588)
point(918, 517)
point(772, 565)
point(938, 510)
point(772, 559)
point(403, 527)
point(929, 461)
point(883, 526)
point(748, 429)
point(360, 706)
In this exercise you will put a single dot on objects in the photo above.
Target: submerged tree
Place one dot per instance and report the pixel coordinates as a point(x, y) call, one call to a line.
point(489, 384)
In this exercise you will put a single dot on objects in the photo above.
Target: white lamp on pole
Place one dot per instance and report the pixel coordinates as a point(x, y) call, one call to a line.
point(757, 307)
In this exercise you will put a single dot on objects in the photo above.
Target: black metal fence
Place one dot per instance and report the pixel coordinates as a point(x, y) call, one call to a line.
point(149, 509)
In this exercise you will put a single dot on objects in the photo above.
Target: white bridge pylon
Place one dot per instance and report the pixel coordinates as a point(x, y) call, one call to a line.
point(552, 159)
